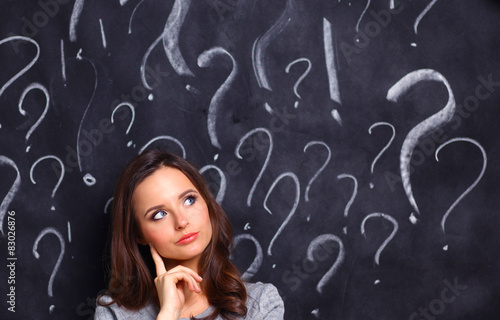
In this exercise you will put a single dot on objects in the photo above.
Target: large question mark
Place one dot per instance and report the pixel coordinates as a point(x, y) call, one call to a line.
point(422, 14)
point(30, 87)
point(264, 166)
point(473, 185)
point(61, 177)
point(292, 211)
point(297, 83)
point(170, 138)
point(205, 59)
point(27, 67)
point(388, 239)
point(321, 239)
point(222, 187)
point(257, 261)
point(42, 234)
point(423, 128)
point(385, 147)
point(132, 109)
point(12, 191)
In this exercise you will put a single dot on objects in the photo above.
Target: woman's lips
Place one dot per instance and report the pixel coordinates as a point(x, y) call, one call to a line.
point(187, 238)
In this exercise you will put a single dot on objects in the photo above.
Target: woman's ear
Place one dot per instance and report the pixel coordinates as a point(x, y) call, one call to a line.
point(139, 238)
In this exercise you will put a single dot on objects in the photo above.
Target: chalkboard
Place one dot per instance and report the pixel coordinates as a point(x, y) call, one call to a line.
point(354, 145)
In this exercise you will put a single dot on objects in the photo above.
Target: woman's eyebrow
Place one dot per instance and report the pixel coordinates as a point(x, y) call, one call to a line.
point(153, 208)
point(182, 195)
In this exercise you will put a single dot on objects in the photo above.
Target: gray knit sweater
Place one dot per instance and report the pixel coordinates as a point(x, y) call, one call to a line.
point(263, 302)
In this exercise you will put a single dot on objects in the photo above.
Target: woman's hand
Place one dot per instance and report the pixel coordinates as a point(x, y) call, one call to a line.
point(170, 286)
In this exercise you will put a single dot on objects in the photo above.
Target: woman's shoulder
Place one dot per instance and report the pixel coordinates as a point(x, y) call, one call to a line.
point(107, 309)
point(264, 301)
point(258, 288)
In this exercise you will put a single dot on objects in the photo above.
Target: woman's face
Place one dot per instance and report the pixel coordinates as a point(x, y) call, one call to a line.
point(172, 215)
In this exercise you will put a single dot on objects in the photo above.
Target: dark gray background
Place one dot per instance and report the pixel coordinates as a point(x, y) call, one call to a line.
point(87, 79)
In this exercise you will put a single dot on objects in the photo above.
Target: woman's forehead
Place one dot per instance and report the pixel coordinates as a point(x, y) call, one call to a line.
point(165, 180)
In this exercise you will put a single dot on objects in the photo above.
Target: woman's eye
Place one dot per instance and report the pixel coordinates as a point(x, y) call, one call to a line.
point(159, 214)
point(190, 200)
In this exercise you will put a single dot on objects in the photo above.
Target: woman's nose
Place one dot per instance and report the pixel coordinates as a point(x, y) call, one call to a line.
point(181, 222)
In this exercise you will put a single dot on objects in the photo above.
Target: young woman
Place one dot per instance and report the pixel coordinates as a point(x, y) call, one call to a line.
point(161, 202)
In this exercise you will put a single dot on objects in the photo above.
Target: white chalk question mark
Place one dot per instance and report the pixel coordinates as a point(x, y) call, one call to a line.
point(385, 147)
point(88, 179)
point(61, 177)
point(257, 261)
point(321, 239)
point(388, 239)
point(264, 166)
point(353, 195)
point(12, 191)
point(30, 87)
point(354, 191)
point(42, 234)
point(301, 78)
point(132, 109)
point(423, 128)
point(473, 185)
point(27, 67)
point(292, 210)
point(323, 166)
point(222, 187)
point(205, 60)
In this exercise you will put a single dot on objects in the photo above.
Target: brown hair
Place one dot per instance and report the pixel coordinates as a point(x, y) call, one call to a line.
point(131, 282)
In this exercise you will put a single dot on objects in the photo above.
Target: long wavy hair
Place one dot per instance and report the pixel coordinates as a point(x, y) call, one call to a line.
point(131, 281)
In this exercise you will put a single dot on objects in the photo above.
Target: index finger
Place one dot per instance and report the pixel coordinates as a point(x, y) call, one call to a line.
point(159, 264)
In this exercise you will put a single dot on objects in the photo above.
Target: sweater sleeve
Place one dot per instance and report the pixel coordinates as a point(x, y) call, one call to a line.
point(115, 312)
point(264, 302)
point(104, 312)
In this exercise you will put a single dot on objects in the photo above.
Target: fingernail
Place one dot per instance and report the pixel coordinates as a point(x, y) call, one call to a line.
point(149, 244)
